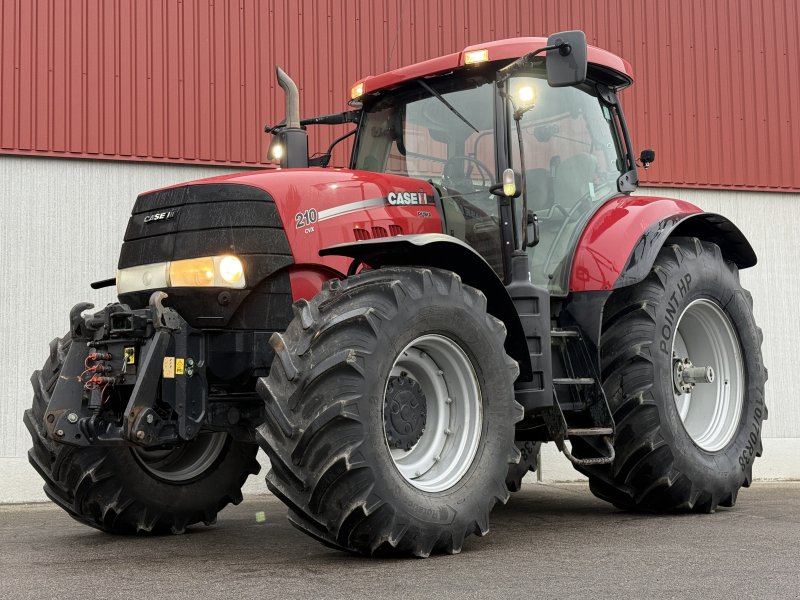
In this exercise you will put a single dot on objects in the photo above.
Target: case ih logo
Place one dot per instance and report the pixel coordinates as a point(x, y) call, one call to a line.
point(406, 198)
point(162, 216)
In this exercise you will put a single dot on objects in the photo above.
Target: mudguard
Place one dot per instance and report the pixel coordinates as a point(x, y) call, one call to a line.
point(621, 241)
point(442, 251)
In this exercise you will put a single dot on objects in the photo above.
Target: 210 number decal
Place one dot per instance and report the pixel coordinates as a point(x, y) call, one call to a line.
point(306, 218)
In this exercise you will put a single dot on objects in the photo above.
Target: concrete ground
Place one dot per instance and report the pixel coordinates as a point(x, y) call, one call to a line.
point(550, 541)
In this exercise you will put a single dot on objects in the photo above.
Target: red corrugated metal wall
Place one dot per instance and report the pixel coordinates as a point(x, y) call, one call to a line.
point(717, 92)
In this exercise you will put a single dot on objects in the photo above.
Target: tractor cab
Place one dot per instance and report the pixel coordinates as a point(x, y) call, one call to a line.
point(460, 121)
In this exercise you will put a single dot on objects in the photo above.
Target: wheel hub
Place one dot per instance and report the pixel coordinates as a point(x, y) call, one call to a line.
point(433, 417)
point(405, 412)
point(710, 412)
point(685, 375)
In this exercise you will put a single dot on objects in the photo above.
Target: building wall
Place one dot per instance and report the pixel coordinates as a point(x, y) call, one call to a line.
point(193, 81)
point(61, 229)
point(49, 255)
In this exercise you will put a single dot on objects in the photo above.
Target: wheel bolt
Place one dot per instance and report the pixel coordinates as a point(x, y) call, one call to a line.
point(149, 418)
point(140, 435)
point(448, 401)
point(440, 372)
point(72, 417)
point(447, 431)
point(59, 433)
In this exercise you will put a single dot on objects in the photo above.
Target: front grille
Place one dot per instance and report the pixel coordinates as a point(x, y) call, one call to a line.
point(205, 220)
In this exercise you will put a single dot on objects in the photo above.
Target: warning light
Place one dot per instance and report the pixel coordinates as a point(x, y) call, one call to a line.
point(473, 57)
point(357, 90)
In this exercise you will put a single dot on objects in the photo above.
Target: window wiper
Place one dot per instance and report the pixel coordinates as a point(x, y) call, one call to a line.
point(447, 104)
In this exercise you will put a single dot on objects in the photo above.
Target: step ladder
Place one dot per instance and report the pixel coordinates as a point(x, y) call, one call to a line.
point(580, 407)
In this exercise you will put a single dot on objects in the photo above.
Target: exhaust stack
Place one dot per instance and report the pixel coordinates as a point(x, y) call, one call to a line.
point(292, 99)
point(292, 138)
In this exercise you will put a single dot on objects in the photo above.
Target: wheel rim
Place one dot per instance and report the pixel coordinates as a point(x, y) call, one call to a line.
point(452, 413)
point(710, 410)
point(185, 462)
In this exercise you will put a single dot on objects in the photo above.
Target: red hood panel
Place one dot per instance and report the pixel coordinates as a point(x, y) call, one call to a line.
point(322, 207)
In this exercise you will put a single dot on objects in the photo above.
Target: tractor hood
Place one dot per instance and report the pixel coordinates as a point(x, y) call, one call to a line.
point(283, 216)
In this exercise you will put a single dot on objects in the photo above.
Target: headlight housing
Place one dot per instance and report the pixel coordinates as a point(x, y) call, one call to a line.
point(208, 271)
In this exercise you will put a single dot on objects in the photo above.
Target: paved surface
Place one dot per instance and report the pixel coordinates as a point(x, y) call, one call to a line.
point(549, 541)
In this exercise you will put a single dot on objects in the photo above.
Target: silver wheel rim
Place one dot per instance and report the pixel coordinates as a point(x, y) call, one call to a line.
point(185, 462)
point(449, 442)
point(710, 412)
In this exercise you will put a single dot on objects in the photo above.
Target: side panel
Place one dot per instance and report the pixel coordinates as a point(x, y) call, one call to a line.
point(307, 280)
point(612, 234)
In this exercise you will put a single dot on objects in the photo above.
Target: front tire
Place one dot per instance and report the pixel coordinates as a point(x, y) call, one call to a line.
point(390, 413)
point(528, 462)
point(119, 489)
point(681, 447)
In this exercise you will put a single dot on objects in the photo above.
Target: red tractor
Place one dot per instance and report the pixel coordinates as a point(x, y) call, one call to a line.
point(400, 336)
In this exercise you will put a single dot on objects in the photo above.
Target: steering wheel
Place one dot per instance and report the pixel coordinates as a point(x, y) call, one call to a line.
point(484, 171)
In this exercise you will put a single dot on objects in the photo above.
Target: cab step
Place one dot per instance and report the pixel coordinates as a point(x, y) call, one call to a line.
point(587, 431)
point(573, 381)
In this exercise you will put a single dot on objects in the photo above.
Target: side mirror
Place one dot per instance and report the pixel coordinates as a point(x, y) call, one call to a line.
point(567, 64)
point(647, 157)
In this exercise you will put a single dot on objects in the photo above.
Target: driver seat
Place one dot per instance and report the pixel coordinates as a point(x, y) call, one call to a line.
point(571, 184)
point(574, 179)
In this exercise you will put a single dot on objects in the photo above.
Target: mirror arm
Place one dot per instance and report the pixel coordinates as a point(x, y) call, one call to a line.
point(513, 67)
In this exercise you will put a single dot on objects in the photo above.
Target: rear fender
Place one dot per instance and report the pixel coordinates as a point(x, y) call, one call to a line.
point(623, 238)
point(442, 251)
point(710, 227)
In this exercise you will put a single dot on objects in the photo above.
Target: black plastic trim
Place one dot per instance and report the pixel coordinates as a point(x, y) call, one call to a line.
point(442, 251)
point(710, 227)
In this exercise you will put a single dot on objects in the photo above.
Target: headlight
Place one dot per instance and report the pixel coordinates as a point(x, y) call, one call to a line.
point(208, 271)
point(230, 269)
point(143, 277)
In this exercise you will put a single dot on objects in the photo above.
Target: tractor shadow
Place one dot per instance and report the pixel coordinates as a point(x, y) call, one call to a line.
point(256, 534)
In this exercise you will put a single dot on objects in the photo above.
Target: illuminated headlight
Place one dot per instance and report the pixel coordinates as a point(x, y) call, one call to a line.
point(208, 271)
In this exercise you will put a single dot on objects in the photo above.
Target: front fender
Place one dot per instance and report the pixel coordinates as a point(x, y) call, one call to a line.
point(441, 251)
point(623, 238)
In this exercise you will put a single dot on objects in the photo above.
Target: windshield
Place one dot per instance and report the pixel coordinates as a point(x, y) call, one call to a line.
point(572, 163)
point(441, 131)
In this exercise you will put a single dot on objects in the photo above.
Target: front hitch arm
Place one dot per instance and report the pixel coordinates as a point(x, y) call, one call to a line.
point(106, 338)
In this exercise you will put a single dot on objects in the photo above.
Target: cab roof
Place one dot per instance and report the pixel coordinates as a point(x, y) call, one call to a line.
point(507, 49)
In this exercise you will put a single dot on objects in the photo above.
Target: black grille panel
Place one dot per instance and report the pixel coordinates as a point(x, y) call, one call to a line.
point(207, 220)
point(202, 220)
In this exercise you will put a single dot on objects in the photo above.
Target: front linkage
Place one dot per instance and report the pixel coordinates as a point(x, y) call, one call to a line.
point(108, 390)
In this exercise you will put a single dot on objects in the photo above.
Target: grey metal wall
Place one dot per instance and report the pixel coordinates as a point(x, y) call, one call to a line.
point(47, 262)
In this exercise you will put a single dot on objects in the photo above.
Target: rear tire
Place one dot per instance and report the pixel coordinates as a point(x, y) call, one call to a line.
point(679, 453)
point(329, 404)
point(125, 490)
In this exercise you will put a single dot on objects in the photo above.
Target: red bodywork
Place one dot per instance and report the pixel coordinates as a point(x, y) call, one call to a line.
point(348, 205)
point(611, 234)
point(353, 205)
point(498, 50)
